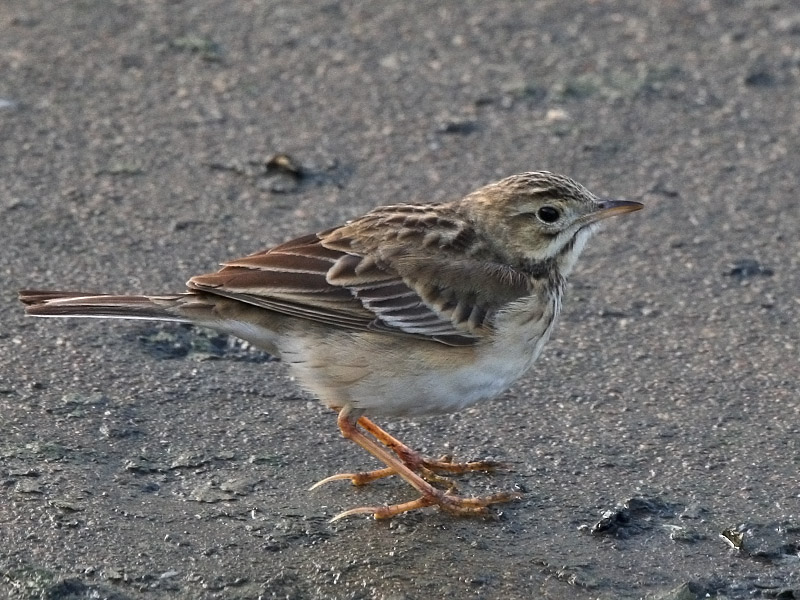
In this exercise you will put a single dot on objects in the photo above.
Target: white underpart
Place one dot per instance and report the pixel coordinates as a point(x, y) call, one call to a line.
point(583, 235)
point(421, 390)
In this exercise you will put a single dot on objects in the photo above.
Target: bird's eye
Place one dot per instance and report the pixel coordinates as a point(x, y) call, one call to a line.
point(548, 214)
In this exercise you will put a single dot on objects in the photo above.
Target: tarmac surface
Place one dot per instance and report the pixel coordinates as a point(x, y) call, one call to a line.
point(657, 440)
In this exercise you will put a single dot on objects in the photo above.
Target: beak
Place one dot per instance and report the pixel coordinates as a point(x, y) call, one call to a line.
point(611, 208)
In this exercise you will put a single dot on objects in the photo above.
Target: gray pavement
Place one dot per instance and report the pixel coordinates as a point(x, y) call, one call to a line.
point(657, 439)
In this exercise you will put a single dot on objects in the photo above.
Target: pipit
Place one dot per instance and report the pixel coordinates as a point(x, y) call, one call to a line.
point(411, 309)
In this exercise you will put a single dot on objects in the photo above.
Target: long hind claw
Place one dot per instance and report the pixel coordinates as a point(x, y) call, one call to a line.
point(360, 478)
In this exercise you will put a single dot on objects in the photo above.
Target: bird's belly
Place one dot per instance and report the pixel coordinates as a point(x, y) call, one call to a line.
point(444, 380)
point(455, 390)
point(395, 376)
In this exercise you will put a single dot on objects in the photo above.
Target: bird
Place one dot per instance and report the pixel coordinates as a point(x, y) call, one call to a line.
point(408, 310)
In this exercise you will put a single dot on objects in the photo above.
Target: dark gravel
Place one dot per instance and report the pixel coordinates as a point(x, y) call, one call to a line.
point(658, 438)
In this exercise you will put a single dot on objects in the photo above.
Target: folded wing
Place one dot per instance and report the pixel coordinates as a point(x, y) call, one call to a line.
point(346, 278)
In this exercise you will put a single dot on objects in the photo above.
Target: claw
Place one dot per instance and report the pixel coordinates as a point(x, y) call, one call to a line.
point(386, 512)
point(363, 510)
point(336, 477)
point(362, 478)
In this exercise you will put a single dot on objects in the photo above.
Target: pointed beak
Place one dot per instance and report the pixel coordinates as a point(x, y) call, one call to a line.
point(612, 208)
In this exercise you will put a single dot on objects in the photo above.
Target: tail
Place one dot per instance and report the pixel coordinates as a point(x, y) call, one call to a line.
point(71, 304)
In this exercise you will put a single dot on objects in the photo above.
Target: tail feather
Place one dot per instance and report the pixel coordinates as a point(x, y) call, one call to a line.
point(48, 303)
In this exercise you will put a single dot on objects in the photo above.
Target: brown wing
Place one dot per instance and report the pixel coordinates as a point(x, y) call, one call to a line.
point(373, 274)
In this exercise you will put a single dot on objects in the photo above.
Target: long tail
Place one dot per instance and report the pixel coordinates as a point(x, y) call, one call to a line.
point(47, 303)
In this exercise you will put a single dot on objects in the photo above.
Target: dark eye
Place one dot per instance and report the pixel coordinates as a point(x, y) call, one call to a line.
point(548, 214)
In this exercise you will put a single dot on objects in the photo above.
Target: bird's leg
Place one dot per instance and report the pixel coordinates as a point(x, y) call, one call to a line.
point(429, 495)
point(362, 477)
point(428, 468)
point(415, 460)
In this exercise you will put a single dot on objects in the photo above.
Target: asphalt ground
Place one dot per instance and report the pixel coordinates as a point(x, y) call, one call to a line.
point(657, 440)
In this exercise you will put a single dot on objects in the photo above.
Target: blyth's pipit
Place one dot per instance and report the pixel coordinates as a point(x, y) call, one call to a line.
point(411, 309)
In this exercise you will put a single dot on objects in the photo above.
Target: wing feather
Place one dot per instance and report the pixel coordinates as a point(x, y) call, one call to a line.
point(390, 276)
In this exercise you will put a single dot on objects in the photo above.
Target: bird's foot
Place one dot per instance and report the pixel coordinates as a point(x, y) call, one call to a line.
point(455, 505)
point(364, 477)
point(419, 472)
point(445, 464)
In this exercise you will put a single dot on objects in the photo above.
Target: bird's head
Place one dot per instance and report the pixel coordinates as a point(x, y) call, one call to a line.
point(541, 217)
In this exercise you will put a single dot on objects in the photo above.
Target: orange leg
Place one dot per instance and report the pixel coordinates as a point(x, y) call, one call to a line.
point(426, 467)
point(415, 460)
point(429, 495)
